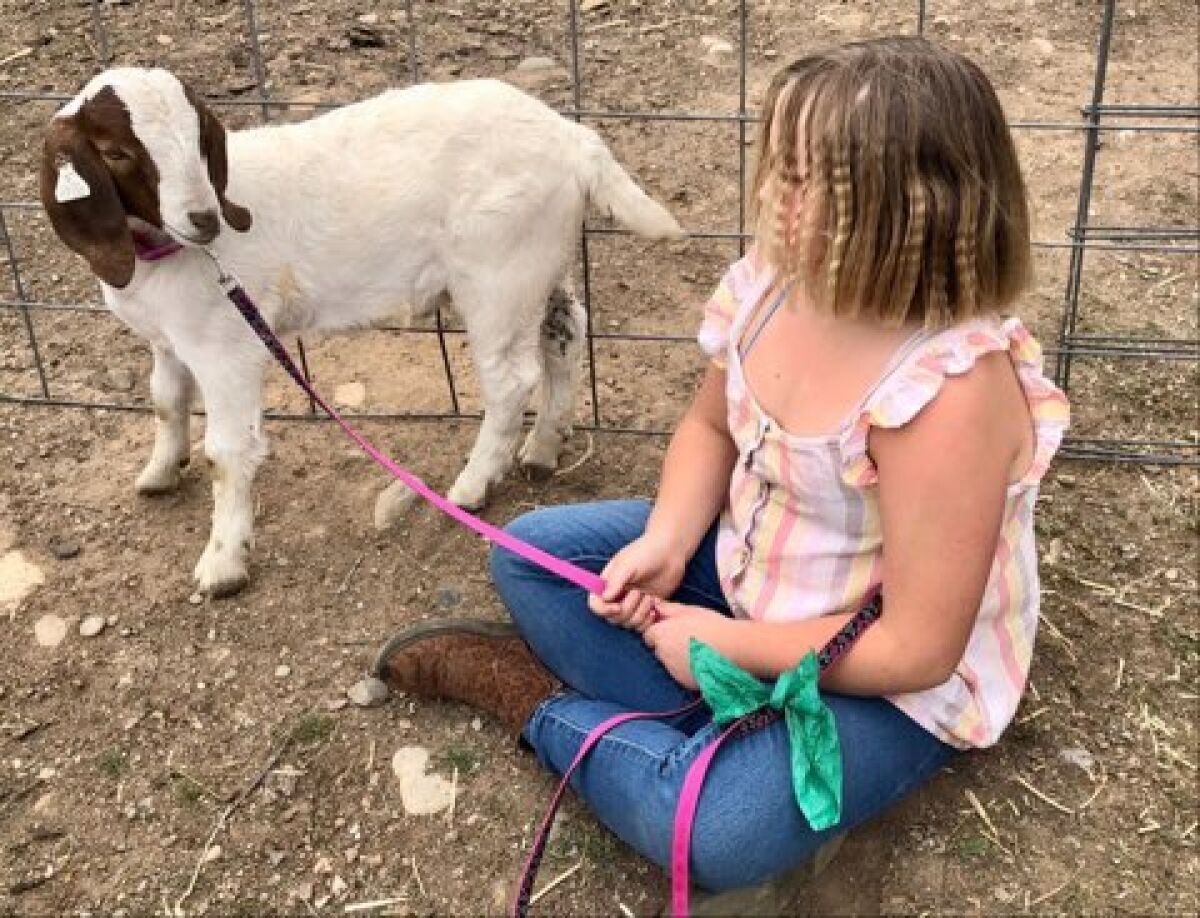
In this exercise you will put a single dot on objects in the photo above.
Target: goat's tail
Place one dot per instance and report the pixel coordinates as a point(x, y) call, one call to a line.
point(610, 188)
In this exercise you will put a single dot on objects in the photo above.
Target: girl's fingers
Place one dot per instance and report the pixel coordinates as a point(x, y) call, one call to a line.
point(645, 613)
point(630, 603)
point(617, 575)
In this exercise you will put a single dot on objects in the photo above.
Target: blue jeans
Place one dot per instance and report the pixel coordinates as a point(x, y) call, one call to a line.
point(748, 827)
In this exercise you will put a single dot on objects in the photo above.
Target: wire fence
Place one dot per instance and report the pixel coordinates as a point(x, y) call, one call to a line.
point(1071, 346)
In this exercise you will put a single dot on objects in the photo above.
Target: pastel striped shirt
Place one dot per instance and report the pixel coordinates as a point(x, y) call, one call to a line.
point(800, 535)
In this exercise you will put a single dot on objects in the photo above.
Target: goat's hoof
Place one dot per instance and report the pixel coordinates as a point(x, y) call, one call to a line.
point(538, 471)
point(392, 504)
point(539, 454)
point(468, 496)
point(220, 575)
point(158, 478)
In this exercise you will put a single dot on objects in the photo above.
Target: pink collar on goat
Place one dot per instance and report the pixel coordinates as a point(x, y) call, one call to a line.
point(147, 249)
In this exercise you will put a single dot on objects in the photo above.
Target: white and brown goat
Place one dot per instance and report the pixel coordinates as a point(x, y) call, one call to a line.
point(470, 192)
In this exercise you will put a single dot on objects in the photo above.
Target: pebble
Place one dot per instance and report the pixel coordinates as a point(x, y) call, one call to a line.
point(448, 598)
point(1077, 755)
point(393, 503)
point(282, 671)
point(368, 692)
point(164, 40)
point(421, 794)
point(212, 854)
point(18, 578)
point(537, 63)
point(50, 630)
point(338, 886)
point(369, 18)
point(92, 625)
point(715, 48)
point(1042, 46)
point(196, 599)
point(64, 549)
point(350, 395)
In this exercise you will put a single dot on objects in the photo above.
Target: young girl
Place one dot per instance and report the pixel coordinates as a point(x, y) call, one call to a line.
point(867, 421)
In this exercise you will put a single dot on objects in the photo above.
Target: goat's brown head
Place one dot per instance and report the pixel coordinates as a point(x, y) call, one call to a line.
point(135, 144)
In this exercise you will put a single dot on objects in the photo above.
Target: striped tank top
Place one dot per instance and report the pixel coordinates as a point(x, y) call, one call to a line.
point(800, 534)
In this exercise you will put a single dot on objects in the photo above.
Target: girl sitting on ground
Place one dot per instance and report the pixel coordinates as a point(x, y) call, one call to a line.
point(868, 421)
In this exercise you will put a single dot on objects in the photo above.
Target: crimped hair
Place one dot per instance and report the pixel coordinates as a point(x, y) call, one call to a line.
point(887, 184)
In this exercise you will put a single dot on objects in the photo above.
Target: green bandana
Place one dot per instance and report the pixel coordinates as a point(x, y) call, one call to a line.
point(732, 692)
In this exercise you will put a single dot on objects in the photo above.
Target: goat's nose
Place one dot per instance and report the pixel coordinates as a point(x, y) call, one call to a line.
point(206, 222)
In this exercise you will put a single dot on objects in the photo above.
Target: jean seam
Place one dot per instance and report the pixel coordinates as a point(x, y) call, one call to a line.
point(559, 720)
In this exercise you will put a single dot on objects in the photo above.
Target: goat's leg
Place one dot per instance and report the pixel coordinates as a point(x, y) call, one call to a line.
point(562, 339)
point(508, 367)
point(171, 390)
point(235, 446)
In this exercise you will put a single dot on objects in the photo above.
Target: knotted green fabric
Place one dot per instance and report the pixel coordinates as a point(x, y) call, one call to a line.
point(816, 753)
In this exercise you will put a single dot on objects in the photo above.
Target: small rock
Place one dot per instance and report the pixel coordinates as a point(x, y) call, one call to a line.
point(164, 40)
point(119, 379)
point(1044, 47)
point(18, 578)
point(369, 18)
point(1067, 481)
point(588, 6)
point(350, 395)
point(50, 630)
point(368, 692)
point(212, 854)
point(196, 599)
point(715, 48)
point(323, 865)
point(393, 503)
point(421, 794)
point(476, 724)
point(282, 671)
point(92, 625)
point(1172, 574)
point(448, 598)
point(1078, 756)
point(537, 63)
point(365, 36)
point(302, 891)
point(338, 887)
point(334, 705)
point(64, 549)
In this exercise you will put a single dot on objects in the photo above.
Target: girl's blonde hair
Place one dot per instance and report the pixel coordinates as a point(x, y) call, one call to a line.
point(887, 184)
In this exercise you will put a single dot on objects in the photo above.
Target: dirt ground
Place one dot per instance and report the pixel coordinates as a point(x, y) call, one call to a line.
point(120, 753)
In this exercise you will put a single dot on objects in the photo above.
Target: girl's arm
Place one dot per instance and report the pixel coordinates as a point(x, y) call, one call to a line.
point(942, 487)
point(696, 469)
point(695, 481)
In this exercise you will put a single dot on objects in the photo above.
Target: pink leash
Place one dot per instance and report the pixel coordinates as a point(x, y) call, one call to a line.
point(689, 797)
point(584, 579)
point(693, 780)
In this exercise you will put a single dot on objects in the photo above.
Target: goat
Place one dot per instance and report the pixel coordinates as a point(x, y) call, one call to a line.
point(472, 193)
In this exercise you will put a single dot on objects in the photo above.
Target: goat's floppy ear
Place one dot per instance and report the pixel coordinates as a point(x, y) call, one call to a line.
point(212, 145)
point(82, 202)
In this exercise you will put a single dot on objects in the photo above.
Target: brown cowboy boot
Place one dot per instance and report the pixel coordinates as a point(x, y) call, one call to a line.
point(482, 664)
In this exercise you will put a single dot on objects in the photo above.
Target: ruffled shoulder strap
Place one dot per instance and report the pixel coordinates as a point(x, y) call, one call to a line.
point(738, 290)
point(918, 379)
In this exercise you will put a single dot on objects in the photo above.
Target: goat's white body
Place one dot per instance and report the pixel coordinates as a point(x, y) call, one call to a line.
point(471, 191)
